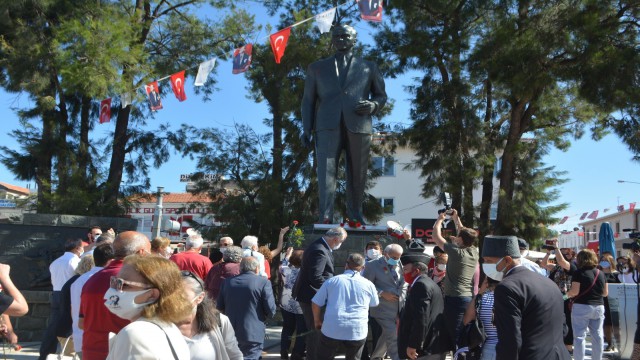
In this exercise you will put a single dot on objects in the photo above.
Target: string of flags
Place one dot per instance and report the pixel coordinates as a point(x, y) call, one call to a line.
point(594, 214)
point(370, 10)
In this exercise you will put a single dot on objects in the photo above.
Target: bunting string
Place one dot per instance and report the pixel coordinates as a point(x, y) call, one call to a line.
point(370, 10)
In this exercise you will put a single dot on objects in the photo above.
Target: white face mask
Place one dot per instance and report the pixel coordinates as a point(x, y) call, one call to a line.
point(491, 271)
point(373, 254)
point(168, 252)
point(337, 246)
point(122, 303)
point(442, 267)
point(223, 250)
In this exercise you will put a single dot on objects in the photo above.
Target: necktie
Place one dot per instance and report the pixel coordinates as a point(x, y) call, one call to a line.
point(394, 273)
point(342, 67)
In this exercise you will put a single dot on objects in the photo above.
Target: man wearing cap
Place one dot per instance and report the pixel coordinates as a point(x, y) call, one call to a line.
point(528, 309)
point(421, 331)
point(386, 273)
point(523, 245)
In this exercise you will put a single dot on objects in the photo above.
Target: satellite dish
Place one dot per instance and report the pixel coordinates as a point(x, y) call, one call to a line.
point(171, 226)
point(395, 229)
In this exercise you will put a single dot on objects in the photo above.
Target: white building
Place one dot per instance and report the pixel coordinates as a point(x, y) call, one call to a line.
point(619, 221)
point(11, 194)
point(399, 190)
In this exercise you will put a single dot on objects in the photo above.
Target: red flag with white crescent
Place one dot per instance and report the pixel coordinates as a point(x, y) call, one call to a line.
point(632, 206)
point(370, 10)
point(279, 42)
point(105, 111)
point(564, 220)
point(153, 94)
point(593, 215)
point(584, 215)
point(177, 85)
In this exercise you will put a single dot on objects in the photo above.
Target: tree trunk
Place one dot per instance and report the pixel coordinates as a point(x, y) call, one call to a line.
point(277, 163)
point(120, 139)
point(45, 162)
point(84, 158)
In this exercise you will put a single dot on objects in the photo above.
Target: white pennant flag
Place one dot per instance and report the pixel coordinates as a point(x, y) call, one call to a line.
point(125, 99)
point(325, 19)
point(203, 71)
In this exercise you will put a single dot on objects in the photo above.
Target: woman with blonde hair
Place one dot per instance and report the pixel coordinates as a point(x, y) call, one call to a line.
point(588, 289)
point(148, 291)
point(161, 246)
point(208, 333)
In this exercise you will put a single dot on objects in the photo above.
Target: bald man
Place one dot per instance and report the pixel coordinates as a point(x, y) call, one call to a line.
point(95, 319)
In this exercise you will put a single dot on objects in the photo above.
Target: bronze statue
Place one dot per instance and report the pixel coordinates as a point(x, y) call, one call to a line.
point(341, 93)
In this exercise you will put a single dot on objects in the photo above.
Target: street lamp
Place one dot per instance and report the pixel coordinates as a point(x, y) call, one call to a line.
point(157, 219)
point(627, 181)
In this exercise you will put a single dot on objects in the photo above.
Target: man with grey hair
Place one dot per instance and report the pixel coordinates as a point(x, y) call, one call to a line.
point(247, 299)
point(347, 298)
point(317, 267)
point(249, 245)
point(386, 273)
point(230, 267)
point(225, 241)
point(190, 259)
point(95, 319)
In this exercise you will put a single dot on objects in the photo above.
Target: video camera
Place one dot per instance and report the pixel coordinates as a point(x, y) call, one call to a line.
point(445, 197)
point(549, 245)
point(635, 245)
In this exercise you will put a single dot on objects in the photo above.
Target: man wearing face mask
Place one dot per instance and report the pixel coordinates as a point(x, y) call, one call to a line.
point(528, 309)
point(317, 267)
point(421, 332)
point(386, 274)
point(95, 318)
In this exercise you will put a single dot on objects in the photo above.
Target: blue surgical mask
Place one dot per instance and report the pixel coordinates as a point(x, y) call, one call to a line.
point(392, 261)
point(605, 264)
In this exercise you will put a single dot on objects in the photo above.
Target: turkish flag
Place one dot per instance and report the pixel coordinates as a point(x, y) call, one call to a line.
point(370, 10)
point(279, 42)
point(593, 215)
point(105, 111)
point(584, 216)
point(564, 220)
point(177, 84)
point(632, 206)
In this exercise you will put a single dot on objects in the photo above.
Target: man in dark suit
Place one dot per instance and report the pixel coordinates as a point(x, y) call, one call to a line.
point(341, 93)
point(421, 331)
point(247, 299)
point(386, 273)
point(528, 309)
point(317, 267)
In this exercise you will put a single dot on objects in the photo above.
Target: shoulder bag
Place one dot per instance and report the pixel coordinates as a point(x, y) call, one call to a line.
point(572, 300)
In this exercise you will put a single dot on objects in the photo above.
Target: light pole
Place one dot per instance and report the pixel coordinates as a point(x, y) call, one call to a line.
point(627, 181)
point(157, 218)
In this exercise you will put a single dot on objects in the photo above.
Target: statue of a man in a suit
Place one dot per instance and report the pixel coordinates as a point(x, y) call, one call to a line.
point(341, 93)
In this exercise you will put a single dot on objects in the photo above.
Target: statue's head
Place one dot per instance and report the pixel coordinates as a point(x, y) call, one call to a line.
point(343, 37)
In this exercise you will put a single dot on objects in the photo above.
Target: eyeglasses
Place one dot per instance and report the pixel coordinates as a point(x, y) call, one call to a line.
point(119, 283)
point(187, 273)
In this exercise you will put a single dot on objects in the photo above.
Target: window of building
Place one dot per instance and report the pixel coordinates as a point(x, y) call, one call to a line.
point(387, 205)
point(385, 164)
point(617, 228)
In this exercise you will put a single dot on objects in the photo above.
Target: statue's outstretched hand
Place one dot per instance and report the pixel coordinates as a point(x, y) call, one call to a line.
point(365, 107)
point(306, 139)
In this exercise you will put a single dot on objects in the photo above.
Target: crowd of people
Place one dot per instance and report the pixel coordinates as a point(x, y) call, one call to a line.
point(125, 297)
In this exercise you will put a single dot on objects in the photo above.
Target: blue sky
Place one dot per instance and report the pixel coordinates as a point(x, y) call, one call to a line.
point(593, 168)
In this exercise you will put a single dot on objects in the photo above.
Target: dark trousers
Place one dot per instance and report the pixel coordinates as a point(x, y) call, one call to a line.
point(329, 146)
point(568, 339)
point(454, 308)
point(376, 331)
point(292, 322)
point(327, 348)
point(311, 338)
point(49, 344)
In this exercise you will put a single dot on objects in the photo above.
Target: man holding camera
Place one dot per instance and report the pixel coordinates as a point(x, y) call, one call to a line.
point(461, 268)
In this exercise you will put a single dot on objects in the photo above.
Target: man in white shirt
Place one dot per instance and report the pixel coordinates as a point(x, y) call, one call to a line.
point(524, 250)
point(102, 256)
point(61, 269)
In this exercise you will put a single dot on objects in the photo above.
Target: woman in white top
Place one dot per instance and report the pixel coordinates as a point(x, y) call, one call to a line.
point(148, 291)
point(628, 274)
point(208, 333)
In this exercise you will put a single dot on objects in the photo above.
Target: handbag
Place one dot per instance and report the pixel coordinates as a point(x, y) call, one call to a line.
point(473, 336)
point(572, 300)
point(60, 355)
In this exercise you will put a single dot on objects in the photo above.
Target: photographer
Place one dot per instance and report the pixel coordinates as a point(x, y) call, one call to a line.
point(461, 268)
point(561, 273)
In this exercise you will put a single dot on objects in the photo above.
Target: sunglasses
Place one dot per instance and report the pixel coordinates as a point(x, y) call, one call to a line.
point(187, 273)
point(119, 283)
